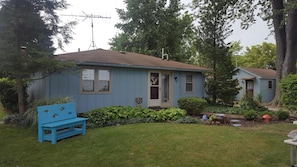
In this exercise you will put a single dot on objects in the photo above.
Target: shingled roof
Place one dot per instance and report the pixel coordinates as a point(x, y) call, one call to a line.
point(260, 72)
point(125, 59)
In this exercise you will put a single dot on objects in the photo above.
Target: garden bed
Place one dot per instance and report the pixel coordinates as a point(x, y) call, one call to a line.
point(246, 123)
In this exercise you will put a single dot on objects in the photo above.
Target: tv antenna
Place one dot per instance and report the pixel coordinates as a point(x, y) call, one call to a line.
point(92, 17)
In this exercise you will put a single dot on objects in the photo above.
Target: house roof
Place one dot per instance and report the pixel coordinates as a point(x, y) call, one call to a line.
point(125, 59)
point(260, 72)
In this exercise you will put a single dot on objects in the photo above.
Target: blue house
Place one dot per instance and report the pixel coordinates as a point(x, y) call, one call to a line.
point(113, 78)
point(256, 82)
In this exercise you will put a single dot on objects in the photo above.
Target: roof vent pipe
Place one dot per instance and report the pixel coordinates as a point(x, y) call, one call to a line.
point(164, 56)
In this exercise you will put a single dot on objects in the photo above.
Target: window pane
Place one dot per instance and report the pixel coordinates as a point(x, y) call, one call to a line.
point(189, 83)
point(154, 78)
point(188, 78)
point(269, 84)
point(104, 80)
point(87, 86)
point(103, 75)
point(88, 80)
point(154, 93)
point(165, 87)
point(189, 87)
point(88, 74)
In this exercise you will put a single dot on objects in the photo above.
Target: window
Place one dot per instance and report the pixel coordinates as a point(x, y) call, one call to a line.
point(189, 83)
point(95, 81)
point(270, 84)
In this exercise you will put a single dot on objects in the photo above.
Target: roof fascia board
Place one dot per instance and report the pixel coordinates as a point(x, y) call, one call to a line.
point(141, 67)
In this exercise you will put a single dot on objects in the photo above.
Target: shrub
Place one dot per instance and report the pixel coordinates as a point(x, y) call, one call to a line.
point(289, 92)
point(193, 105)
point(248, 103)
point(18, 120)
point(271, 113)
point(169, 114)
point(8, 95)
point(250, 115)
point(29, 118)
point(282, 115)
point(235, 110)
point(114, 115)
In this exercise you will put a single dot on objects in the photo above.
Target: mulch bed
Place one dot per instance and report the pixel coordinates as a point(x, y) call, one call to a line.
point(244, 122)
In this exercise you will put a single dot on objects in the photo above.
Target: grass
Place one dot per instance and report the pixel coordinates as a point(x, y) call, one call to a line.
point(155, 144)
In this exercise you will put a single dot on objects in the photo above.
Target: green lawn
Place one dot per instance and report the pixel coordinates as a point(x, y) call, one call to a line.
point(152, 145)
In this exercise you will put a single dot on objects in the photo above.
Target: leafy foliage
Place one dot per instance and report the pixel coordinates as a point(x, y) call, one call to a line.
point(249, 103)
point(250, 115)
point(8, 95)
point(29, 118)
point(113, 115)
point(259, 56)
point(193, 105)
point(27, 31)
point(288, 87)
point(283, 115)
point(149, 25)
point(214, 28)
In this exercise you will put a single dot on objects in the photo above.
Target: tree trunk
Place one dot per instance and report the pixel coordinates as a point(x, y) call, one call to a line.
point(289, 65)
point(280, 38)
point(21, 96)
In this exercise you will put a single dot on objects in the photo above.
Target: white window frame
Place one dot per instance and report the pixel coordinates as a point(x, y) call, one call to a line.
point(192, 82)
point(95, 77)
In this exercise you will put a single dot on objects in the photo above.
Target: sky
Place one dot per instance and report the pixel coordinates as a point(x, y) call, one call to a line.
point(104, 30)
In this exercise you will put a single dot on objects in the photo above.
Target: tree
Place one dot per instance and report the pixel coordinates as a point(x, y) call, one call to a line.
point(148, 26)
point(259, 56)
point(282, 16)
point(26, 32)
point(213, 28)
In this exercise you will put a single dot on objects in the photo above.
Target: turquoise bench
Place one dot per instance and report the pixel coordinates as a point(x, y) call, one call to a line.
point(59, 121)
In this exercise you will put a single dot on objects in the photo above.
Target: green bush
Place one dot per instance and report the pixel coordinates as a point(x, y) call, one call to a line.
point(250, 115)
point(193, 105)
point(17, 119)
point(248, 103)
point(235, 110)
point(282, 115)
point(29, 118)
point(288, 87)
point(8, 95)
point(113, 115)
point(169, 114)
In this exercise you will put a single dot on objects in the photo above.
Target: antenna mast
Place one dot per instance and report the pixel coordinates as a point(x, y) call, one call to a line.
point(90, 16)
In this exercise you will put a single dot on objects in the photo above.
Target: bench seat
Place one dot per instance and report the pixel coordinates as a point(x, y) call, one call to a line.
point(64, 123)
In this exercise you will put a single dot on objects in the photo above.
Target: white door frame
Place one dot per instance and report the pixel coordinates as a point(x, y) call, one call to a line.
point(155, 91)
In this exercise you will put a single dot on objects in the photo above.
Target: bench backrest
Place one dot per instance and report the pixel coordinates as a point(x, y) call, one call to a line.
point(56, 112)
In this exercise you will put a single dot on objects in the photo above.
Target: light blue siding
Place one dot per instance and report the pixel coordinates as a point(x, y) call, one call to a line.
point(260, 86)
point(179, 87)
point(127, 84)
point(266, 92)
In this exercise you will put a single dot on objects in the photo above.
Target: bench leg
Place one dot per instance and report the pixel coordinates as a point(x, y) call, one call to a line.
point(54, 136)
point(84, 126)
point(40, 134)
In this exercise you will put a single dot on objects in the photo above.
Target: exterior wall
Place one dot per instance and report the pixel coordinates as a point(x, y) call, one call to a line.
point(260, 87)
point(127, 84)
point(242, 83)
point(36, 88)
point(179, 86)
point(266, 92)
